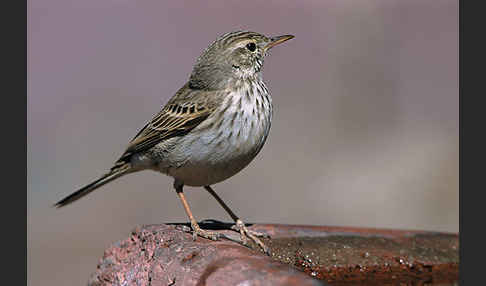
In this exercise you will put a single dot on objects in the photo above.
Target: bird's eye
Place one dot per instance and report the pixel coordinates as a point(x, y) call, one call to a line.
point(251, 47)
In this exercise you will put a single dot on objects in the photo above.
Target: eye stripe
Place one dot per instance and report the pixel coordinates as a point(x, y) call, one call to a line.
point(243, 35)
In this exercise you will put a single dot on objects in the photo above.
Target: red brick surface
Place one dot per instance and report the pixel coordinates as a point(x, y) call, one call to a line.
point(167, 255)
point(162, 255)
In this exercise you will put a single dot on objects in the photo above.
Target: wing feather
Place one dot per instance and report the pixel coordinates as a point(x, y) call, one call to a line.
point(186, 110)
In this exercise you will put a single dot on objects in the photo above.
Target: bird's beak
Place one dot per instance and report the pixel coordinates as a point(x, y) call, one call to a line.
point(277, 40)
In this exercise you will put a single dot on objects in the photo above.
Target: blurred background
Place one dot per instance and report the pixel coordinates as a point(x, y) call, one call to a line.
point(365, 128)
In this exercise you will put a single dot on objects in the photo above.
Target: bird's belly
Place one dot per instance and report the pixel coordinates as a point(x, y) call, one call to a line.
point(217, 153)
point(215, 158)
point(203, 174)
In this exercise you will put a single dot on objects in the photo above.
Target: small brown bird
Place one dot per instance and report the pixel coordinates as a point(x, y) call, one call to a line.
point(210, 129)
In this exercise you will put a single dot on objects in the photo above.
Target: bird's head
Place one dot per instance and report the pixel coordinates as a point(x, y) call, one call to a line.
point(233, 56)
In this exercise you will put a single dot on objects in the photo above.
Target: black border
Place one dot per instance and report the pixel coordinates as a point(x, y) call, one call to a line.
point(14, 141)
point(471, 147)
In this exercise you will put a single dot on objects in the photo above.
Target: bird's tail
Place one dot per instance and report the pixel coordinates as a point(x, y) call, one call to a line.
point(115, 172)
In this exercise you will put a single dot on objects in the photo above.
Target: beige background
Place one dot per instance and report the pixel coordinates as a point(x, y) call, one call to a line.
point(365, 130)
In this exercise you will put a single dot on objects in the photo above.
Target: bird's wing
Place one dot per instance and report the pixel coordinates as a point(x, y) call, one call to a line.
point(186, 110)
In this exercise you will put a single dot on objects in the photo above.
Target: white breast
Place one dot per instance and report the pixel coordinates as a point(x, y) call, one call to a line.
point(221, 146)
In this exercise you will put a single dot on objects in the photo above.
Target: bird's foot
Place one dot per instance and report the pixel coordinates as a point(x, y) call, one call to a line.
point(197, 231)
point(245, 233)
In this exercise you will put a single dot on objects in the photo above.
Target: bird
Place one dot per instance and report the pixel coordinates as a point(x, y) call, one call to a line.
point(211, 128)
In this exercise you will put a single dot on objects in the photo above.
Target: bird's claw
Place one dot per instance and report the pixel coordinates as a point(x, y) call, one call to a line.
point(197, 231)
point(245, 233)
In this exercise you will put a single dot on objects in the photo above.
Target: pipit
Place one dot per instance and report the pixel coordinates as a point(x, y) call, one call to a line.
point(210, 129)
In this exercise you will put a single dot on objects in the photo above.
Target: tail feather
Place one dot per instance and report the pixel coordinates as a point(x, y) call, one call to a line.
point(114, 173)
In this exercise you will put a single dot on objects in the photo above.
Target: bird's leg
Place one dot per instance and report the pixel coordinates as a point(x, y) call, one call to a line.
point(239, 225)
point(195, 226)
